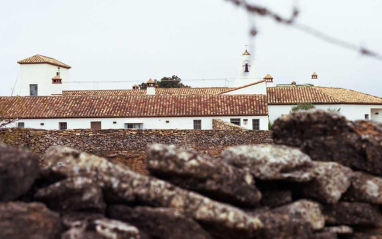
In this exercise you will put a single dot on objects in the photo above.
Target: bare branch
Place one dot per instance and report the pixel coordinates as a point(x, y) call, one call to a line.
point(291, 21)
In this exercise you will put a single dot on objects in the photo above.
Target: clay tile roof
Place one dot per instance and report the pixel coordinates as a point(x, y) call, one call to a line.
point(39, 107)
point(135, 85)
point(268, 76)
point(318, 95)
point(314, 74)
point(159, 91)
point(150, 81)
point(39, 59)
point(246, 53)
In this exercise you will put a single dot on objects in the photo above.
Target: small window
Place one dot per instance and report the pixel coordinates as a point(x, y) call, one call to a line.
point(235, 121)
point(255, 124)
point(197, 124)
point(96, 125)
point(133, 126)
point(63, 125)
point(246, 68)
point(366, 116)
point(20, 124)
point(42, 124)
point(33, 90)
point(167, 121)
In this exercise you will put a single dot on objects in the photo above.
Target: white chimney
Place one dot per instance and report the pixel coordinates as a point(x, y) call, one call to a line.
point(314, 80)
point(150, 87)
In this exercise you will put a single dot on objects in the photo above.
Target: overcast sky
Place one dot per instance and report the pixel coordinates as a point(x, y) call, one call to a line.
point(126, 40)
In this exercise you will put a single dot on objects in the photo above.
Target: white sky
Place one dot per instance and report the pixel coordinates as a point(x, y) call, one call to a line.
point(126, 40)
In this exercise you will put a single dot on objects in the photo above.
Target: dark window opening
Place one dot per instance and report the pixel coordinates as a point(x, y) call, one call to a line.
point(133, 126)
point(256, 124)
point(366, 116)
point(95, 125)
point(246, 68)
point(20, 124)
point(197, 124)
point(33, 90)
point(63, 125)
point(235, 121)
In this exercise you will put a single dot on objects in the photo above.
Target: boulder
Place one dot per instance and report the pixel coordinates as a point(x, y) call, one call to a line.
point(159, 222)
point(307, 210)
point(364, 188)
point(352, 214)
point(326, 136)
point(71, 194)
point(330, 181)
point(18, 172)
point(126, 186)
point(271, 162)
point(339, 229)
point(20, 220)
point(324, 235)
point(208, 176)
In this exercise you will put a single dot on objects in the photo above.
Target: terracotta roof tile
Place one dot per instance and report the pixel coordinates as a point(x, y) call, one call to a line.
point(39, 107)
point(39, 59)
point(159, 91)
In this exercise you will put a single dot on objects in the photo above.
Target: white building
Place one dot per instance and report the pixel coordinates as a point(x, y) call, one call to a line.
point(252, 103)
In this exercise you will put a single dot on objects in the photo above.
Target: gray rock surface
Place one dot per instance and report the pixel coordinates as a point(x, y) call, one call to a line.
point(330, 181)
point(364, 188)
point(20, 220)
point(159, 222)
point(352, 214)
point(328, 136)
point(339, 229)
point(276, 198)
point(208, 176)
point(18, 171)
point(72, 194)
point(308, 211)
point(129, 187)
point(271, 162)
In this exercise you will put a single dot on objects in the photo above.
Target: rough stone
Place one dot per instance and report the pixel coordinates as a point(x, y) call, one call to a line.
point(71, 194)
point(20, 220)
point(364, 188)
point(352, 214)
point(330, 181)
point(18, 170)
point(339, 229)
point(208, 176)
point(306, 210)
point(325, 235)
point(277, 225)
point(271, 162)
point(128, 187)
point(328, 136)
point(159, 222)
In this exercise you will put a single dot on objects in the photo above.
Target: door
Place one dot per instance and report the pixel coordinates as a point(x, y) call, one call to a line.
point(95, 125)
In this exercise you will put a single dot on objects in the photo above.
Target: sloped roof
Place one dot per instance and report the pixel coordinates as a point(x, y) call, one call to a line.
point(40, 59)
point(246, 53)
point(244, 86)
point(159, 91)
point(318, 95)
point(32, 107)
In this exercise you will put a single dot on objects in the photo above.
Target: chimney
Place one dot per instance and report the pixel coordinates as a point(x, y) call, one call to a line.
point(150, 87)
point(293, 83)
point(135, 87)
point(268, 80)
point(314, 81)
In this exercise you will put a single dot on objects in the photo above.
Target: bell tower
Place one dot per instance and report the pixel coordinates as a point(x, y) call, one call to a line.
point(246, 69)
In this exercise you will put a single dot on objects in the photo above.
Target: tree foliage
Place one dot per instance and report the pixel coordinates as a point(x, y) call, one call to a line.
point(303, 106)
point(167, 82)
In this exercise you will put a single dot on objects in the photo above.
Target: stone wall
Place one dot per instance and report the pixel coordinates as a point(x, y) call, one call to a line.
point(218, 124)
point(129, 146)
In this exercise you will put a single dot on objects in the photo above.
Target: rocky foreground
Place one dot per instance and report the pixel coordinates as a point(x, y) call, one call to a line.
point(322, 179)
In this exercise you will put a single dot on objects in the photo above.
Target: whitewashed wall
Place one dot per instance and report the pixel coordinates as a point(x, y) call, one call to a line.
point(148, 123)
point(351, 112)
point(40, 74)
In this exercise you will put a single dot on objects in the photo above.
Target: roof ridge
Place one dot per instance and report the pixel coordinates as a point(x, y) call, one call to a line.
point(244, 86)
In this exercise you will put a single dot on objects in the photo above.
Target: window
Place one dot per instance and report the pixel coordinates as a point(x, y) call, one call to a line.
point(56, 81)
point(197, 124)
point(63, 125)
point(33, 90)
point(366, 116)
point(95, 125)
point(20, 124)
point(235, 121)
point(255, 124)
point(246, 68)
point(133, 126)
